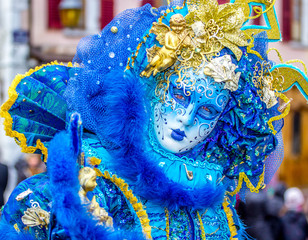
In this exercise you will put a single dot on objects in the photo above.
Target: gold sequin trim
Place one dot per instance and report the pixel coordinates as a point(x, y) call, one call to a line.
point(229, 214)
point(167, 224)
point(201, 227)
point(244, 178)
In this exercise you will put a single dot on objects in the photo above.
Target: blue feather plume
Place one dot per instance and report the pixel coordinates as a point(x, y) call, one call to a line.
point(8, 232)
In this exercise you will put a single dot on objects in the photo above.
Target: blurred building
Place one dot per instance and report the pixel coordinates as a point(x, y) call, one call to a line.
point(293, 18)
point(14, 55)
point(33, 32)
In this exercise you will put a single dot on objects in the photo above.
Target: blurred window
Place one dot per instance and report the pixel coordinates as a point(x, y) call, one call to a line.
point(295, 21)
point(290, 15)
point(54, 21)
point(106, 12)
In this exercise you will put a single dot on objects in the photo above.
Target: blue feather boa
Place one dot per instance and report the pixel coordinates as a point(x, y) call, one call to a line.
point(8, 232)
point(64, 185)
point(127, 125)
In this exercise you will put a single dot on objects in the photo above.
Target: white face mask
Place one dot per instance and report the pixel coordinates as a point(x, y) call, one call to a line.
point(182, 121)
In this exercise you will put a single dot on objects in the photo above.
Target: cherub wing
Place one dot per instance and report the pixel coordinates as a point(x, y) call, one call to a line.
point(160, 30)
point(151, 52)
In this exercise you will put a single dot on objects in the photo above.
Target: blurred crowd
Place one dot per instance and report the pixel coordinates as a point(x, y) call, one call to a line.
point(27, 166)
point(275, 213)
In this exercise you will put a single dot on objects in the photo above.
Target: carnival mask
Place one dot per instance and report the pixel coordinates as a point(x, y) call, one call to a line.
point(186, 118)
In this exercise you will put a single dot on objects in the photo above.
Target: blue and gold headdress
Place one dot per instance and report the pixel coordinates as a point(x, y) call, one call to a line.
point(219, 40)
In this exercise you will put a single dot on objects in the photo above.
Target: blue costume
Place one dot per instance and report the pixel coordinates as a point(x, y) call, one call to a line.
point(170, 151)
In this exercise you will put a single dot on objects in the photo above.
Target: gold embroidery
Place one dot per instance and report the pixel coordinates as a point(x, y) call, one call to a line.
point(16, 228)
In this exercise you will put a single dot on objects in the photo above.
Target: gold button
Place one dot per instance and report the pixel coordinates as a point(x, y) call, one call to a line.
point(114, 29)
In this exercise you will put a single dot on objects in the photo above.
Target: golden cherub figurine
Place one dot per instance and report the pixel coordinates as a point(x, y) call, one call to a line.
point(173, 40)
point(87, 179)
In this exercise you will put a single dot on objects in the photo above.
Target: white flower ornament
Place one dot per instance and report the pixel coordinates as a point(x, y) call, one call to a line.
point(222, 70)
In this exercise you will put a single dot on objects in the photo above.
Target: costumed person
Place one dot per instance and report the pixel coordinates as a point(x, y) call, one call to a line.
point(29, 165)
point(172, 138)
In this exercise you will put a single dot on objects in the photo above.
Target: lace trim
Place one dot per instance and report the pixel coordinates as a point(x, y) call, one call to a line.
point(8, 120)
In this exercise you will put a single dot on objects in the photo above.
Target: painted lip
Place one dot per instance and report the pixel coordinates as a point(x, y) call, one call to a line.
point(177, 134)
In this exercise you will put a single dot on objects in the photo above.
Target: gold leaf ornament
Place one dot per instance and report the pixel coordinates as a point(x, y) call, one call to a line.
point(221, 24)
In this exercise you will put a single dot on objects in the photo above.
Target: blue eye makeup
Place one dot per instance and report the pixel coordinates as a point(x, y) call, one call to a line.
point(179, 96)
point(208, 112)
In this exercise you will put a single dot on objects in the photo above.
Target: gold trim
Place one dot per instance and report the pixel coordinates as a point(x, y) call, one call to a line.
point(274, 31)
point(283, 115)
point(167, 224)
point(251, 45)
point(258, 10)
point(289, 61)
point(201, 227)
point(243, 177)
point(137, 206)
point(228, 212)
point(16, 228)
point(8, 120)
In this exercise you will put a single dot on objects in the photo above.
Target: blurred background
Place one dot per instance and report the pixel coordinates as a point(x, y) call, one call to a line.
point(34, 32)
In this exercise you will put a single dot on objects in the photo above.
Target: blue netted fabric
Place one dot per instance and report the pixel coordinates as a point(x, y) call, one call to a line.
point(104, 54)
